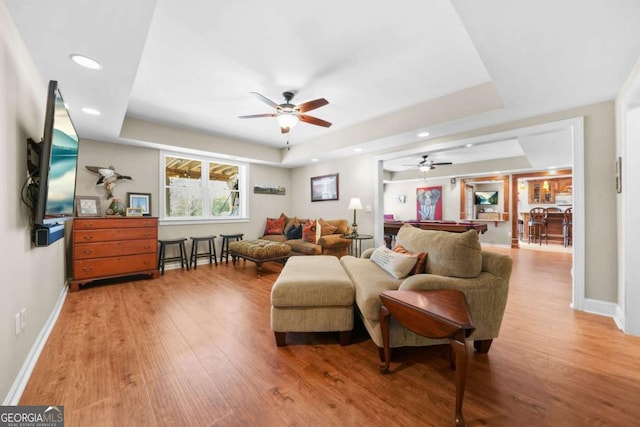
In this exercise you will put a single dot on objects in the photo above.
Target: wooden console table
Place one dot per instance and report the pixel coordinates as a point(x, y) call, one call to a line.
point(441, 313)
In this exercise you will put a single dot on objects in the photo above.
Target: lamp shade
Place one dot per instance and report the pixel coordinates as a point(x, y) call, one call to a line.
point(287, 120)
point(355, 204)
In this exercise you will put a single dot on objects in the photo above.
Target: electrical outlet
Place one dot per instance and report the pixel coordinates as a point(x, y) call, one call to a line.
point(18, 329)
point(23, 318)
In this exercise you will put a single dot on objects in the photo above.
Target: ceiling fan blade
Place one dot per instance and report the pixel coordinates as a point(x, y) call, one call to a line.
point(265, 99)
point(441, 163)
point(313, 120)
point(312, 105)
point(284, 130)
point(254, 116)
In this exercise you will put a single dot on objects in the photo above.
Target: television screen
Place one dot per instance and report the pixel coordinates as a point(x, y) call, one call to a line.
point(58, 161)
point(486, 197)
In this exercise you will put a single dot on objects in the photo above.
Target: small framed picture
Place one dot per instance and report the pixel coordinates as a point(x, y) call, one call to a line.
point(88, 206)
point(134, 212)
point(140, 200)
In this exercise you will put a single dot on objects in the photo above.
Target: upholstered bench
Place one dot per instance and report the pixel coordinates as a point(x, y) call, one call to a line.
point(312, 294)
point(259, 251)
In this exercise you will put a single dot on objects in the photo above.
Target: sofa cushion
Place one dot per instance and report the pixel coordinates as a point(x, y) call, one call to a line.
point(280, 238)
point(369, 279)
point(325, 227)
point(294, 232)
point(306, 248)
point(275, 226)
point(397, 264)
point(450, 254)
point(422, 259)
point(342, 226)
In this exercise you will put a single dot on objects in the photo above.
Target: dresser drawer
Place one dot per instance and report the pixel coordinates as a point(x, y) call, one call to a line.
point(109, 249)
point(113, 266)
point(127, 222)
point(110, 235)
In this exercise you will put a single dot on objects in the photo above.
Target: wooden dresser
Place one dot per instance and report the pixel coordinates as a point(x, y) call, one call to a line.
point(104, 248)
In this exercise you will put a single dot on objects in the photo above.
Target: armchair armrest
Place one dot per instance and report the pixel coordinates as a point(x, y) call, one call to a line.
point(333, 240)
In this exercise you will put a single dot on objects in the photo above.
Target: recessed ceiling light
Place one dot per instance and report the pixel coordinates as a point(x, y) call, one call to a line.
point(469, 145)
point(85, 61)
point(314, 160)
point(423, 134)
point(357, 150)
point(90, 111)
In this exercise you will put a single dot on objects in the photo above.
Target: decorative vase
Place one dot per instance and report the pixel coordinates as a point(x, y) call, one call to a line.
point(116, 208)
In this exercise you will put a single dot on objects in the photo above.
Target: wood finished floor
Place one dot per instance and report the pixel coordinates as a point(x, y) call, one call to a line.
point(194, 348)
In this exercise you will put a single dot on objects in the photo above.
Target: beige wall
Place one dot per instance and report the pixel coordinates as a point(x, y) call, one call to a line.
point(142, 164)
point(33, 278)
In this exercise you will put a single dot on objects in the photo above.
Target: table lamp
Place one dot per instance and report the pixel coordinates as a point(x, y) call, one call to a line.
point(356, 205)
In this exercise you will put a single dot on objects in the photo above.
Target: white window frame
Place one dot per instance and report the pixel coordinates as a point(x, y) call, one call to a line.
point(243, 171)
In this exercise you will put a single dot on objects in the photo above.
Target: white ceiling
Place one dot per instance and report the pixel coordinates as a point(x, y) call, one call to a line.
point(388, 70)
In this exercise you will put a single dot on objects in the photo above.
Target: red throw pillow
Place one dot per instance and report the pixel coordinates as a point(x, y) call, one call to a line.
point(309, 231)
point(420, 264)
point(274, 226)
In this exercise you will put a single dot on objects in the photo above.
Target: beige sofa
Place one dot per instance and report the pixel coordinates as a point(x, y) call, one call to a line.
point(328, 244)
point(454, 261)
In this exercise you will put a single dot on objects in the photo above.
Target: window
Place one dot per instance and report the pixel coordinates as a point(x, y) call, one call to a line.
point(189, 194)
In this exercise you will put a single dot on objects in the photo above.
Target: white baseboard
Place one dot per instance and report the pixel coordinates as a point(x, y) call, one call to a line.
point(15, 393)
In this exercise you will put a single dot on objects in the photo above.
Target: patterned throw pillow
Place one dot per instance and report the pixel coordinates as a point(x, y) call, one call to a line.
point(294, 232)
point(309, 232)
point(274, 226)
point(422, 259)
point(396, 264)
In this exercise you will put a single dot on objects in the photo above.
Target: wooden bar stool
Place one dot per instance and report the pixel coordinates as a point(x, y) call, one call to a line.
point(162, 257)
point(567, 227)
point(210, 253)
point(538, 225)
point(224, 250)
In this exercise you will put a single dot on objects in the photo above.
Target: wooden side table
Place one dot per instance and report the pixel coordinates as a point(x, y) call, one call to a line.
point(441, 313)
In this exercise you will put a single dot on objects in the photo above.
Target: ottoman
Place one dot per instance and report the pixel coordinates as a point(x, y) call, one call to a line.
point(259, 251)
point(312, 294)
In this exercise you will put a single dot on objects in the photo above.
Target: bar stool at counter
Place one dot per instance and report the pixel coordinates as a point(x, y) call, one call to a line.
point(538, 225)
point(567, 227)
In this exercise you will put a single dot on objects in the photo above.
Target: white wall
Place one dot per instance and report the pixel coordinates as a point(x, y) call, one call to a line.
point(33, 278)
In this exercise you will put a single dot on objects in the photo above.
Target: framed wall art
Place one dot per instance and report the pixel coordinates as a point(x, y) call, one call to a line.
point(324, 188)
point(429, 203)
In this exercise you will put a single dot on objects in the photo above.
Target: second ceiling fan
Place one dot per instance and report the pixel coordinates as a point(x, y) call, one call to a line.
point(289, 114)
point(426, 165)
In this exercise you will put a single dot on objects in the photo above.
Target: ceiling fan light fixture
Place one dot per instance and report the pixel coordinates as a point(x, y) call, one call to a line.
point(288, 120)
point(425, 168)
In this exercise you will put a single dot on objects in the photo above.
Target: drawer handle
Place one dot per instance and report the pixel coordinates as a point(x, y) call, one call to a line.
point(87, 251)
point(146, 262)
point(88, 237)
point(87, 225)
point(87, 269)
point(146, 247)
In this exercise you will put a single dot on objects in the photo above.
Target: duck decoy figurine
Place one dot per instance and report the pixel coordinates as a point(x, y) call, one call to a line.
point(107, 177)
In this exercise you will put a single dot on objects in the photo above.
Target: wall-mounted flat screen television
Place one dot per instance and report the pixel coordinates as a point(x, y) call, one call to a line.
point(486, 197)
point(56, 175)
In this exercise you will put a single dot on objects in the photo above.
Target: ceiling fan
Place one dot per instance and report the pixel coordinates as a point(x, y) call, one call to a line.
point(289, 114)
point(425, 165)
